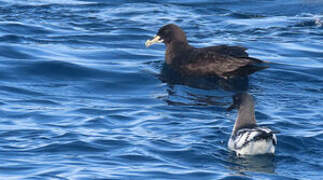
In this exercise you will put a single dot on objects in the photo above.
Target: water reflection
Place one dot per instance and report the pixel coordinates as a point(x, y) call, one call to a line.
point(259, 163)
point(187, 96)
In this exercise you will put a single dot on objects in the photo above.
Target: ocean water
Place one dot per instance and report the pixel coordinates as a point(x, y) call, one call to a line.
point(82, 98)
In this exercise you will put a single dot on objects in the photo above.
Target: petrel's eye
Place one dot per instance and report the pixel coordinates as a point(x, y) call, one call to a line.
point(166, 31)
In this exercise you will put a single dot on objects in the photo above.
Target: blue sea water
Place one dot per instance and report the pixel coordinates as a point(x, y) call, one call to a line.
point(81, 96)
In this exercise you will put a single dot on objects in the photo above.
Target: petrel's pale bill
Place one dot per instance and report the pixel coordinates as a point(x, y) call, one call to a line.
point(156, 39)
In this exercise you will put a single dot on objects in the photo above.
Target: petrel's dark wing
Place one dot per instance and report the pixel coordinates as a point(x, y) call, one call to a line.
point(223, 61)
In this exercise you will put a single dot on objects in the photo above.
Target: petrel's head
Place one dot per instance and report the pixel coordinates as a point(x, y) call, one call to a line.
point(168, 34)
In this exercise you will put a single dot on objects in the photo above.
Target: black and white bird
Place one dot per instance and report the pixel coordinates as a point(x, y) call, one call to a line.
point(247, 138)
point(222, 61)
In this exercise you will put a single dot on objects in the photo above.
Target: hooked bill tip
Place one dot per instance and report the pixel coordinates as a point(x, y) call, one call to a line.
point(156, 39)
point(147, 43)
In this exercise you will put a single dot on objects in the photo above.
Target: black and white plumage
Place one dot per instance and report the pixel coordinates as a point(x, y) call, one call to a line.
point(247, 138)
point(221, 61)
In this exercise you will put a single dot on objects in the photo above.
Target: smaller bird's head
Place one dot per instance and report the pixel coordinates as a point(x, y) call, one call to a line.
point(241, 99)
point(168, 34)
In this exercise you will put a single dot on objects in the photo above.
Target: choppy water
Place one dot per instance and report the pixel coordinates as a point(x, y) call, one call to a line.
point(81, 97)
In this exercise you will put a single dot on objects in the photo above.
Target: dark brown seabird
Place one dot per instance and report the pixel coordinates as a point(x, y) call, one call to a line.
point(222, 61)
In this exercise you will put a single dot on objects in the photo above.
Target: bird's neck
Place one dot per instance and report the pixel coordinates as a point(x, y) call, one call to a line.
point(245, 119)
point(176, 49)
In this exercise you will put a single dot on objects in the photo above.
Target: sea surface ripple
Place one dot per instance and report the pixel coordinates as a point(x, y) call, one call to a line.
point(81, 96)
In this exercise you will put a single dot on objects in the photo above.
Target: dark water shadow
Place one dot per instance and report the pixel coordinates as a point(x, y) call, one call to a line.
point(192, 97)
point(259, 163)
